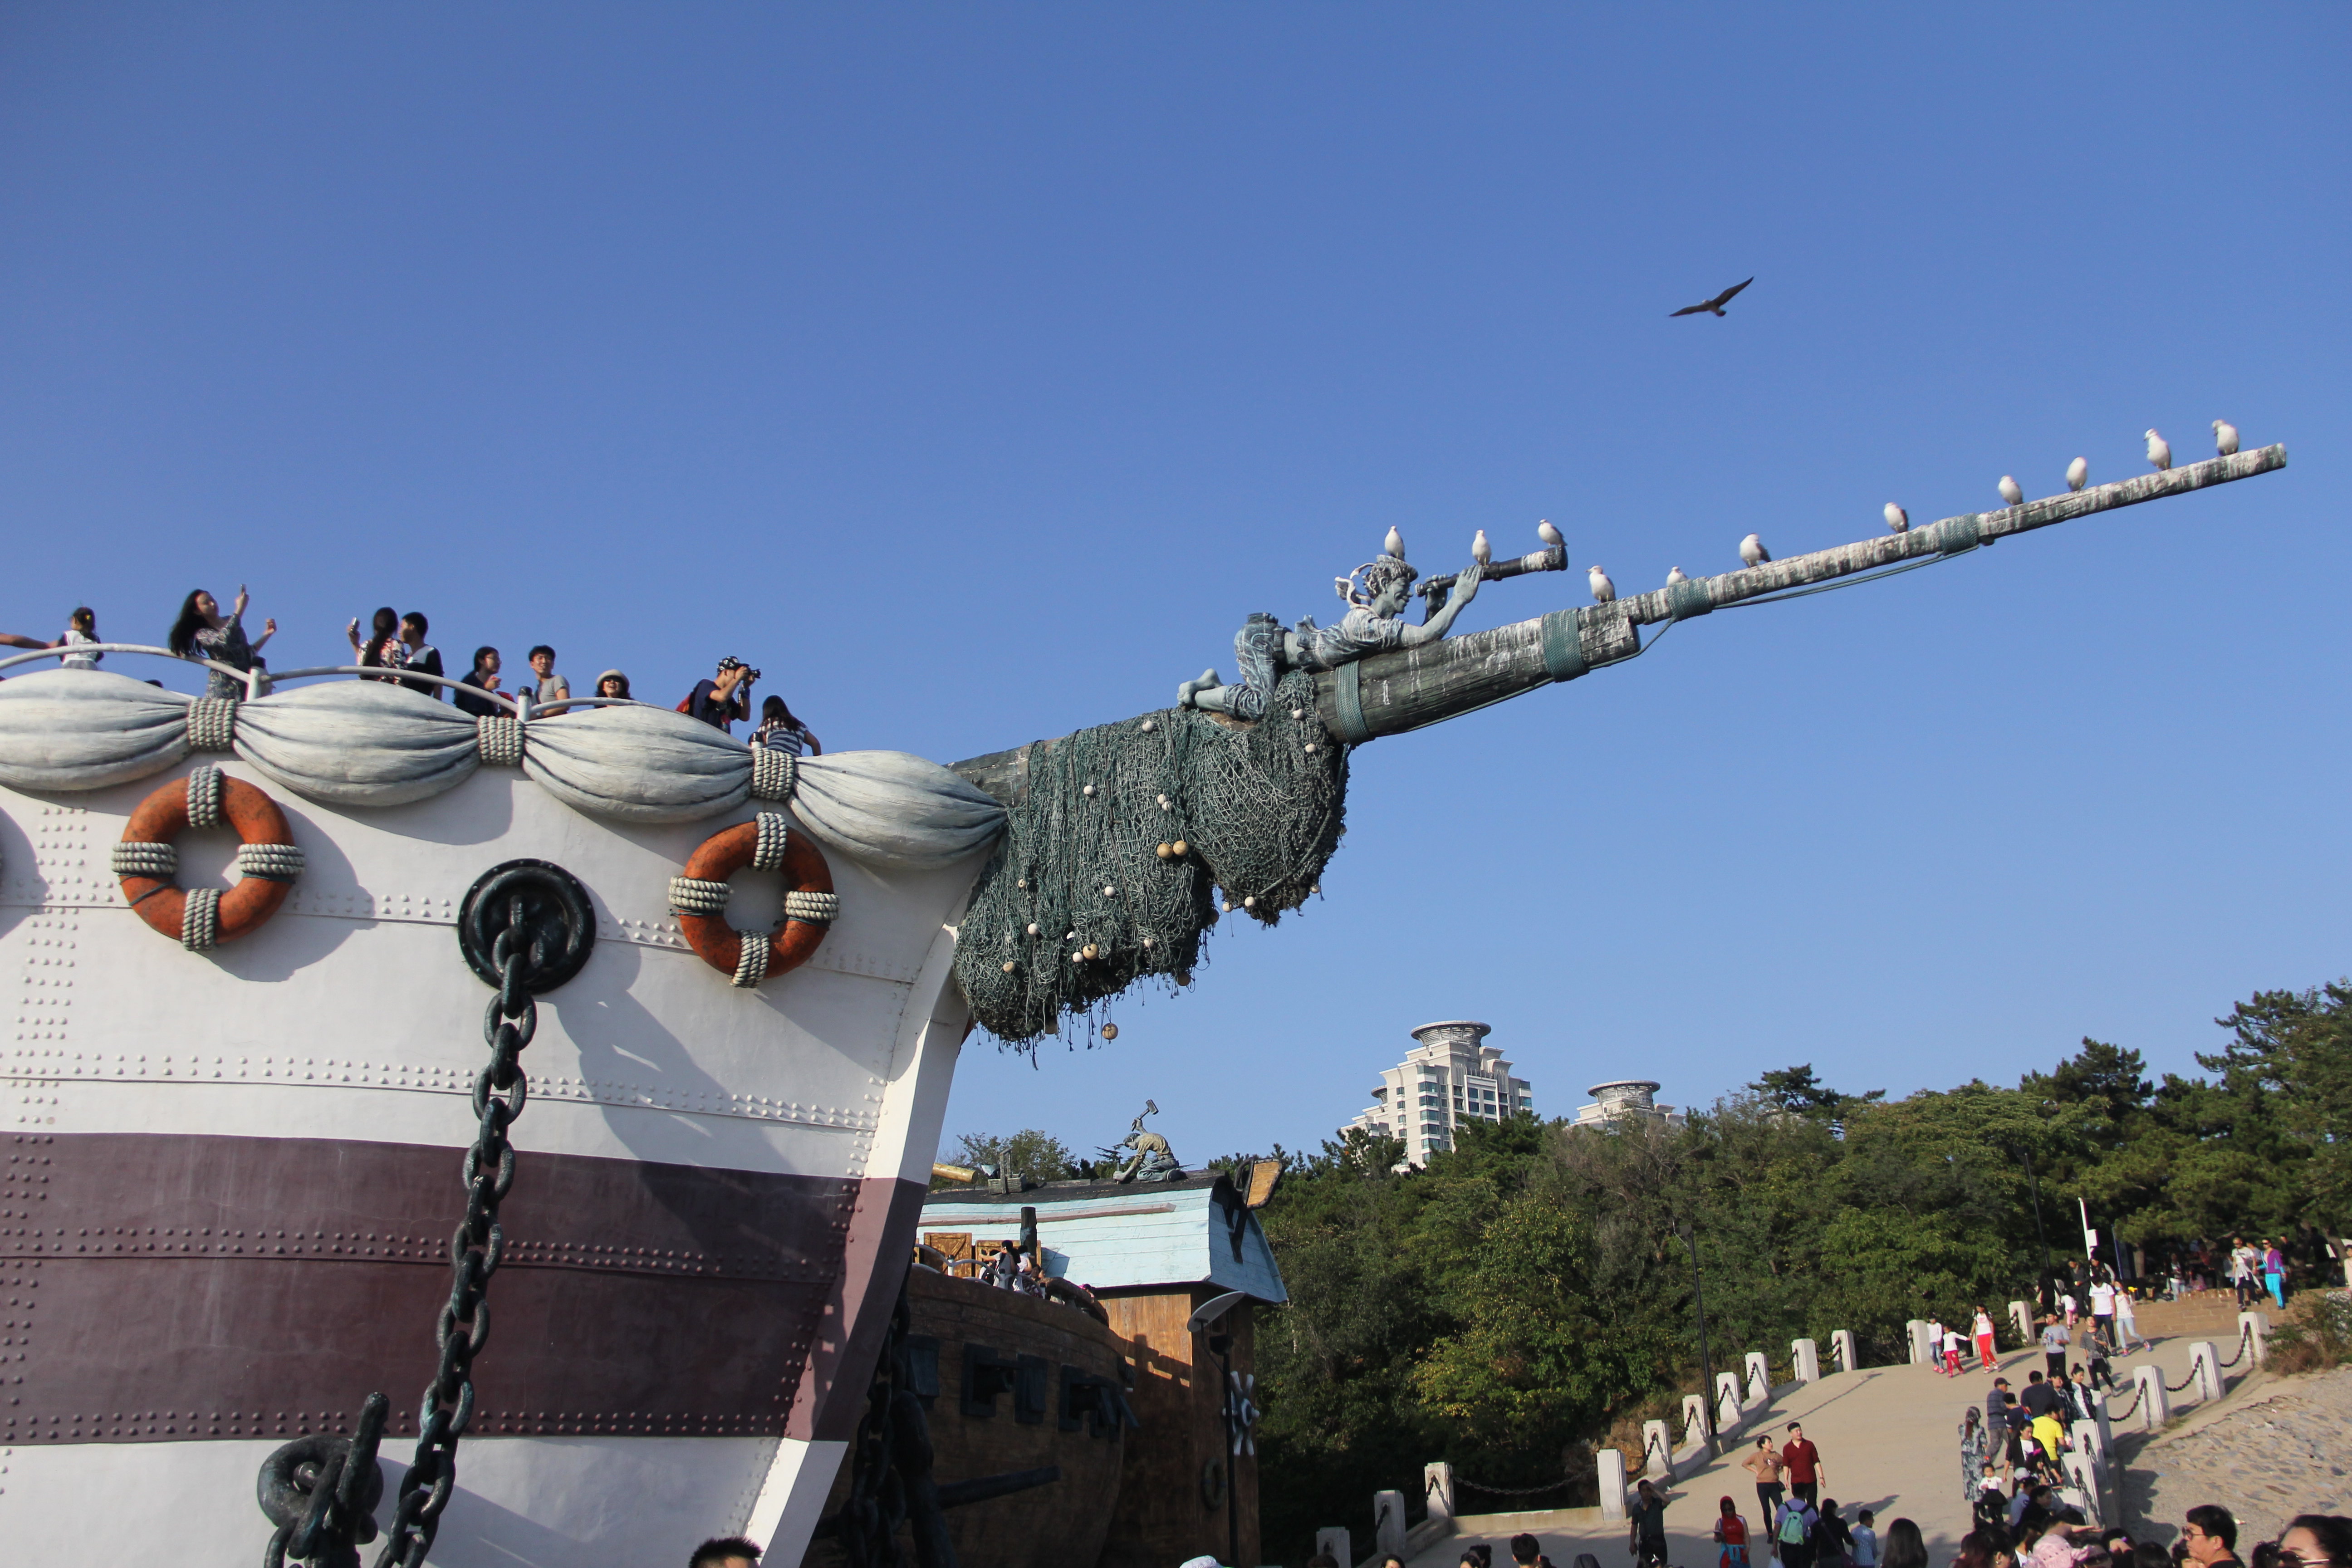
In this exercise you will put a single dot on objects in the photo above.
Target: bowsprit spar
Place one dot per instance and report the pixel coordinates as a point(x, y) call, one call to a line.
point(1127, 841)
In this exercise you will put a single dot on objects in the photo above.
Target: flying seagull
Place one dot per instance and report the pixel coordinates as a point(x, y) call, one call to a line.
point(2159, 451)
point(1675, 575)
point(1603, 590)
point(1752, 551)
point(2011, 494)
point(2077, 472)
point(1897, 520)
point(1714, 306)
point(2225, 437)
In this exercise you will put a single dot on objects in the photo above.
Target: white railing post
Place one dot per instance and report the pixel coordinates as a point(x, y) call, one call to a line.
point(1727, 1413)
point(2155, 1405)
point(2086, 1477)
point(2021, 1317)
point(2254, 1330)
point(1759, 1382)
point(1657, 1452)
point(1388, 1524)
point(2205, 1365)
point(1808, 1357)
point(1608, 1472)
point(1695, 1433)
point(1437, 1481)
point(1841, 1349)
point(1332, 1542)
point(1915, 1335)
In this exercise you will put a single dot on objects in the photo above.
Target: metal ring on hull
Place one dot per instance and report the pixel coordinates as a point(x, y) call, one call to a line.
point(698, 898)
point(146, 860)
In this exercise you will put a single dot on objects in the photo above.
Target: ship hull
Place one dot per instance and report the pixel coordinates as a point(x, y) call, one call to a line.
point(232, 1177)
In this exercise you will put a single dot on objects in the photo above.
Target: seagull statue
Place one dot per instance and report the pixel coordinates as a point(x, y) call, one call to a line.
point(1752, 551)
point(2010, 494)
point(1897, 520)
point(2159, 451)
point(1675, 575)
point(1714, 306)
point(1603, 591)
point(1480, 550)
point(2225, 437)
point(1394, 544)
point(2077, 473)
point(1550, 535)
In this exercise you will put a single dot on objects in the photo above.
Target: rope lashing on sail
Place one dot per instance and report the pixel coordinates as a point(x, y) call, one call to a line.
point(498, 737)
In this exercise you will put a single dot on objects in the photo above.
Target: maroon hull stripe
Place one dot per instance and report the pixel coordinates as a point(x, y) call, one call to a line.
point(162, 1288)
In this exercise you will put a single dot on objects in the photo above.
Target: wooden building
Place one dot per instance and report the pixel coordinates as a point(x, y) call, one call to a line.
point(1152, 1254)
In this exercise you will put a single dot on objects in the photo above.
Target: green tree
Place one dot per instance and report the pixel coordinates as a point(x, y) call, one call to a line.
point(1030, 1154)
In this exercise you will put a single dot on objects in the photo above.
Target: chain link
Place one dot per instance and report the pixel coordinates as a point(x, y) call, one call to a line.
point(500, 1092)
point(2245, 1338)
point(1502, 1491)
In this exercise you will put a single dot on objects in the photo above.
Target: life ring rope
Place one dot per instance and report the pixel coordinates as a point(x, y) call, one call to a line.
point(698, 895)
point(148, 861)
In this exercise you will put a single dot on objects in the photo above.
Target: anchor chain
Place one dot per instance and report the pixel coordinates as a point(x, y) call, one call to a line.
point(500, 1092)
point(322, 1492)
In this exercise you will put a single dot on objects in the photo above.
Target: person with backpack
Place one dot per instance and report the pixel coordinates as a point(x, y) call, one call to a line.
point(723, 699)
point(1792, 1532)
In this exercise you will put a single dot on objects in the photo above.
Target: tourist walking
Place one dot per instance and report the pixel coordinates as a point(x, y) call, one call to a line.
point(1731, 1536)
point(550, 686)
point(81, 630)
point(1764, 1463)
point(1833, 1542)
point(1792, 1532)
point(1806, 1471)
point(1647, 1534)
point(2275, 1273)
point(1981, 1331)
point(2241, 1272)
point(1992, 1510)
point(1865, 1539)
point(2054, 1341)
point(1975, 1450)
point(382, 648)
point(779, 731)
point(1952, 1348)
point(471, 695)
point(1905, 1548)
point(2103, 1313)
point(203, 632)
point(2127, 1333)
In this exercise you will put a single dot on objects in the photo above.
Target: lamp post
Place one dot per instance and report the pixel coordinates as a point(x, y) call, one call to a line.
point(2033, 1185)
point(1706, 1365)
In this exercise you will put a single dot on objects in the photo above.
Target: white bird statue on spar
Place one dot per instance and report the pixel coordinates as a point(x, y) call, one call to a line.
point(2159, 451)
point(1897, 520)
point(2077, 473)
point(1752, 551)
point(1675, 575)
point(1480, 550)
point(2225, 437)
point(1603, 591)
point(1550, 535)
point(1394, 544)
point(2011, 493)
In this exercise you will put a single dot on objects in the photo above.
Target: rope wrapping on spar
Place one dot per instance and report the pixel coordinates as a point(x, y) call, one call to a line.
point(212, 724)
point(499, 739)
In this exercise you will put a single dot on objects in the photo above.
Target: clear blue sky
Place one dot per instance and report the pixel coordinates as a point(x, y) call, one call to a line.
point(975, 370)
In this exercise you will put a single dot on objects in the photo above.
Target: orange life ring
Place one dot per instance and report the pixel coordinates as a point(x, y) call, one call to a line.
point(147, 859)
point(699, 899)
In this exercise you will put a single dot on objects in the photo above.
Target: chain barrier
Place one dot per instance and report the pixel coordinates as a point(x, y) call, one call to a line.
point(1504, 1492)
point(2116, 1412)
point(500, 1092)
point(2183, 1384)
point(2245, 1338)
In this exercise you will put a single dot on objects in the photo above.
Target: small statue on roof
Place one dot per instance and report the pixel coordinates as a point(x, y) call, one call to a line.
point(1152, 1160)
point(1375, 593)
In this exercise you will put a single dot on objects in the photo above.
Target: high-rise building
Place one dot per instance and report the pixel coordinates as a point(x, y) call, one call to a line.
point(1450, 1077)
point(1624, 1098)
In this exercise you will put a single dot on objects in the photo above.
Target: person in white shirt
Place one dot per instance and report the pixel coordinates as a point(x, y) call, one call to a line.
point(1981, 1329)
point(2102, 1314)
point(2126, 1326)
point(82, 627)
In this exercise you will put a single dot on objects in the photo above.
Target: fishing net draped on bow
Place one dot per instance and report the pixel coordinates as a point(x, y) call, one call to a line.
point(1259, 808)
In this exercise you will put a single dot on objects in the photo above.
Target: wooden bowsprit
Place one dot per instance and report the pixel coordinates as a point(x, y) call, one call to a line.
point(1390, 693)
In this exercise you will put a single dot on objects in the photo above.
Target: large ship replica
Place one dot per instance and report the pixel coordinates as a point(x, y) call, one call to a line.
point(347, 1026)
